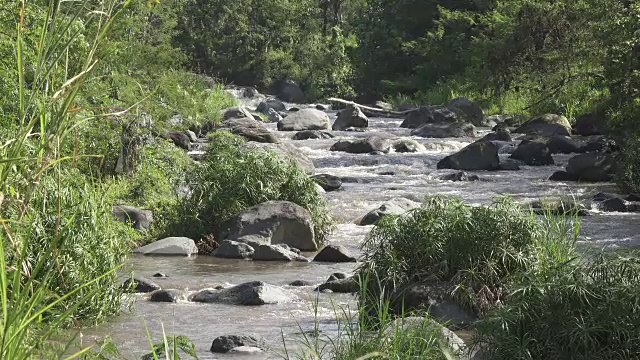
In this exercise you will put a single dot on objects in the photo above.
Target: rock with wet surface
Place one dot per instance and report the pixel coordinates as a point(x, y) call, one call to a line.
point(334, 254)
point(351, 116)
point(230, 249)
point(226, 343)
point(285, 151)
point(509, 165)
point(396, 206)
point(429, 115)
point(250, 129)
point(592, 167)
point(563, 145)
point(363, 146)
point(459, 176)
point(347, 285)
point(249, 294)
point(274, 104)
point(467, 111)
point(312, 134)
point(328, 182)
point(276, 253)
point(305, 119)
point(407, 146)
point(178, 246)
point(275, 222)
point(546, 125)
point(533, 153)
point(168, 296)
point(140, 219)
point(440, 131)
point(337, 276)
point(300, 283)
point(609, 203)
point(480, 155)
point(140, 285)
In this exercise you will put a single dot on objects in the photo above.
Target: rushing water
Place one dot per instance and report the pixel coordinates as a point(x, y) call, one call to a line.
point(413, 176)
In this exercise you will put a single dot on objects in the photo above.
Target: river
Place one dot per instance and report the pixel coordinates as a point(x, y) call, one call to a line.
point(412, 175)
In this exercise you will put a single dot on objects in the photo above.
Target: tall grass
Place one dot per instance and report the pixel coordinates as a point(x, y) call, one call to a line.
point(47, 275)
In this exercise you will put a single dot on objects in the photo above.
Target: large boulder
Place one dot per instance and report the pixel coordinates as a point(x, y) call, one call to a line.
point(274, 104)
point(291, 92)
point(250, 129)
point(236, 112)
point(467, 111)
point(249, 294)
point(480, 155)
point(285, 151)
point(230, 249)
point(280, 252)
point(178, 246)
point(395, 206)
point(546, 125)
point(328, 182)
point(351, 116)
point(226, 343)
point(592, 167)
point(305, 119)
point(312, 134)
point(363, 146)
point(179, 139)
point(334, 254)
point(563, 145)
point(139, 219)
point(534, 153)
point(429, 115)
point(453, 130)
point(275, 222)
point(591, 124)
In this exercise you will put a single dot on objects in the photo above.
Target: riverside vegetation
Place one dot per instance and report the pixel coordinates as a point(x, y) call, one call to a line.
point(89, 92)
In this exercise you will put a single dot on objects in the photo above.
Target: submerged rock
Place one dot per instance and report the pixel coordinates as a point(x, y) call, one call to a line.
point(452, 130)
point(459, 176)
point(140, 285)
point(347, 285)
point(312, 134)
point(226, 343)
point(249, 294)
point(170, 296)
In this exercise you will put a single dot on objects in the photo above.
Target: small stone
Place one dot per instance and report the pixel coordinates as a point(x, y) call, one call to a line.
point(298, 283)
point(169, 296)
point(160, 275)
point(224, 344)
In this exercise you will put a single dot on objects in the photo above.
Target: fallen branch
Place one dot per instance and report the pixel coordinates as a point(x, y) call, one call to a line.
point(371, 111)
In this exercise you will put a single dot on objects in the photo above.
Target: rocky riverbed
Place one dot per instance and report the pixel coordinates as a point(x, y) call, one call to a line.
point(382, 162)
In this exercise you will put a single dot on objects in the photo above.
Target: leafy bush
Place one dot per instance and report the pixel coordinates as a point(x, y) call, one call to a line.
point(475, 249)
point(231, 180)
point(585, 309)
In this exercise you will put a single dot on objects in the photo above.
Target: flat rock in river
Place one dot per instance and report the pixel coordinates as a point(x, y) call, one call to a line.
point(170, 246)
point(249, 294)
point(363, 146)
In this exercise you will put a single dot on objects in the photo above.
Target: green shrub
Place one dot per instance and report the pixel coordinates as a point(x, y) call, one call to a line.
point(474, 249)
point(585, 309)
point(231, 180)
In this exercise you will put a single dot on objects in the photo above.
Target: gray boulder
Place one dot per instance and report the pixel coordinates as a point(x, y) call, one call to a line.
point(312, 134)
point(347, 285)
point(291, 92)
point(168, 296)
point(250, 129)
point(274, 116)
point(274, 104)
point(140, 220)
point(395, 206)
point(609, 203)
point(592, 167)
point(275, 222)
point(467, 111)
point(276, 253)
point(534, 153)
point(363, 146)
point(480, 155)
point(453, 130)
point(230, 249)
point(563, 145)
point(328, 182)
point(180, 139)
point(351, 116)
point(285, 151)
point(179, 246)
point(509, 165)
point(500, 134)
point(248, 294)
point(546, 125)
point(226, 343)
point(334, 254)
point(236, 112)
point(429, 115)
point(140, 285)
point(305, 119)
